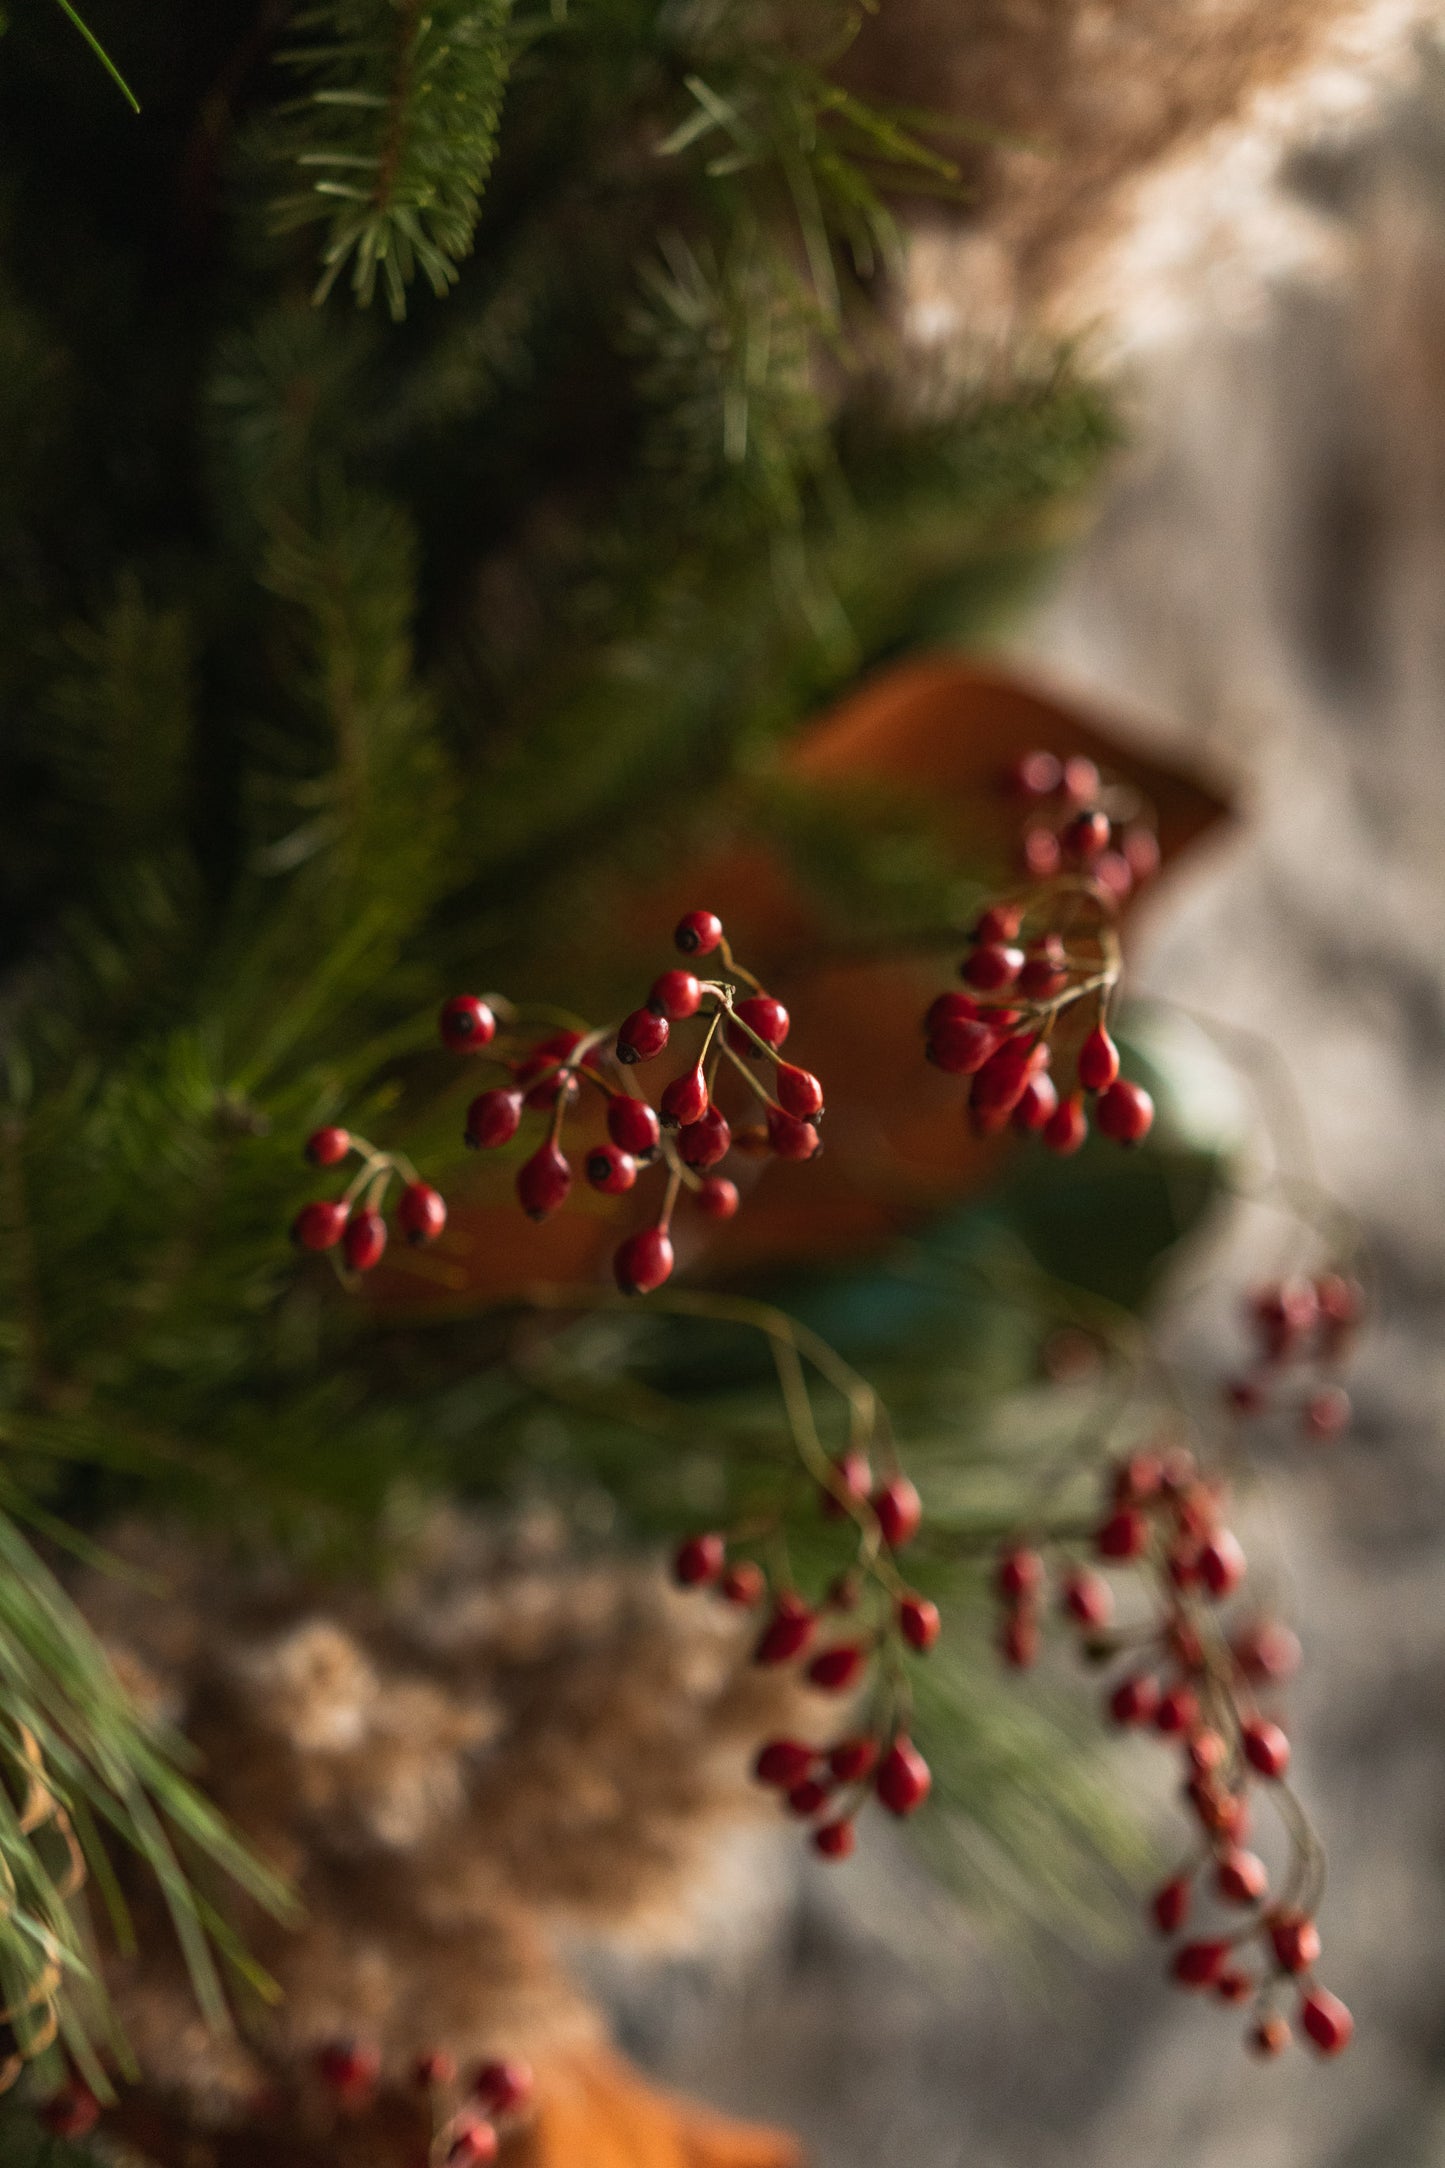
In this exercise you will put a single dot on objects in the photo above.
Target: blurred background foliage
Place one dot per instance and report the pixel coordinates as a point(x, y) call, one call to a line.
point(350, 654)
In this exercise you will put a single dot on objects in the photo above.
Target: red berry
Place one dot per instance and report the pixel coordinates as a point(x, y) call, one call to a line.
point(1266, 1747)
point(1019, 1575)
point(319, 1226)
point(1207, 1752)
point(853, 1477)
point(642, 1037)
point(435, 2068)
point(1088, 1598)
point(900, 1511)
point(1326, 2020)
point(919, 1622)
point(768, 1018)
point(1125, 1534)
point(1036, 775)
point(325, 1147)
point(951, 1009)
point(1067, 1127)
point(1124, 1112)
point(993, 966)
point(364, 1241)
point(1222, 1563)
point(789, 1138)
point(1141, 853)
point(1240, 1878)
point(1171, 1904)
point(1177, 1711)
point(1114, 875)
point(960, 1046)
point(1004, 1077)
point(805, 1799)
point(1199, 1964)
point(699, 933)
point(421, 1213)
point(1037, 1105)
point(471, 2143)
point(1080, 779)
point(717, 1196)
point(675, 995)
point(699, 1560)
point(1134, 1701)
point(1039, 854)
point(1018, 1642)
point(1296, 1942)
point(1233, 1985)
point(704, 1142)
point(835, 1840)
point(834, 1670)
point(349, 2069)
point(1098, 1060)
point(610, 1170)
point(503, 2086)
point(798, 1091)
point(904, 1780)
point(784, 1763)
point(1085, 838)
point(1246, 1396)
point(742, 1584)
point(1000, 922)
point(71, 2112)
point(853, 1759)
point(543, 1181)
point(492, 1119)
point(1271, 2036)
point(643, 1261)
point(1042, 977)
point(786, 1634)
point(1266, 1650)
point(467, 1024)
point(632, 1125)
point(1326, 1413)
point(684, 1100)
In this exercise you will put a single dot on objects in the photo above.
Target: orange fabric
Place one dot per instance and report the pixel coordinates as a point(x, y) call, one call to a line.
point(596, 2111)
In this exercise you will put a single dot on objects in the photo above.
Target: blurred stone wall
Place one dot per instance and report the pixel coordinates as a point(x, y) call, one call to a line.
point(1267, 581)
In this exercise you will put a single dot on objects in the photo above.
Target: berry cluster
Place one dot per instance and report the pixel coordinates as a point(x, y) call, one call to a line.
point(850, 1644)
point(1305, 1327)
point(466, 2116)
point(1197, 1677)
point(353, 1225)
point(735, 1029)
point(1043, 961)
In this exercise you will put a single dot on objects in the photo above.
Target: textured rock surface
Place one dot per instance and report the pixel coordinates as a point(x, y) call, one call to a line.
point(1268, 577)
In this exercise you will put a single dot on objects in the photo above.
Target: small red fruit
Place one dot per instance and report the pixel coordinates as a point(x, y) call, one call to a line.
point(788, 1138)
point(1125, 1534)
point(805, 1799)
point(1018, 1641)
point(1080, 779)
point(993, 966)
point(1037, 1106)
point(698, 1560)
point(433, 2069)
point(643, 1261)
point(467, 1025)
point(1039, 854)
point(1036, 775)
point(72, 2112)
point(784, 1763)
point(919, 1622)
point(421, 1213)
point(1005, 1076)
point(1171, 1905)
point(471, 2143)
point(503, 2086)
point(900, 1511)
point(684, 1099)
point(1296, 1942)
point(1085, 838)
point(853, 1477)
point(1266, 1747)
point(1240, 1878)
point(675, 995)
point(642, 1037)
point(798, 1091)
point(1134, 1701)
point(1326, 2021)
point(1124, 1112)
point(768, 1018)
point(325, 1147)
point(787, 1632)
point(742, 1584)
point(1233, 1985)
point(632, 1125)
point(1067, 1127)
point(1199, 1964)
point(1178, 1711)
point(834, 1670)
point(904, 1779)
point(349, 2069)
point(717, 1196)
point(493, 1119)
point(1266, 1650)
point(1087, 1598)
point(699, 933)
point(1271, 2036)
point(835, 1840)
point(1221, 1563)
point(543, 1181)
point(701, 1144)
point(1000, 922)
point(610, 1170)
point(319, 1226)
point(364, 1241)
point(960, 1046)
point(951, 1008)
point(1098, 1061)
point(1326, 1413)
point(1141, 853)
point(1019, 1575)
point(853, 1759)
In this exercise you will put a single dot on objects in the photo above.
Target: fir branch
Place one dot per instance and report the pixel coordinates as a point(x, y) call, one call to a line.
point(395, 136)
point(100, 53)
